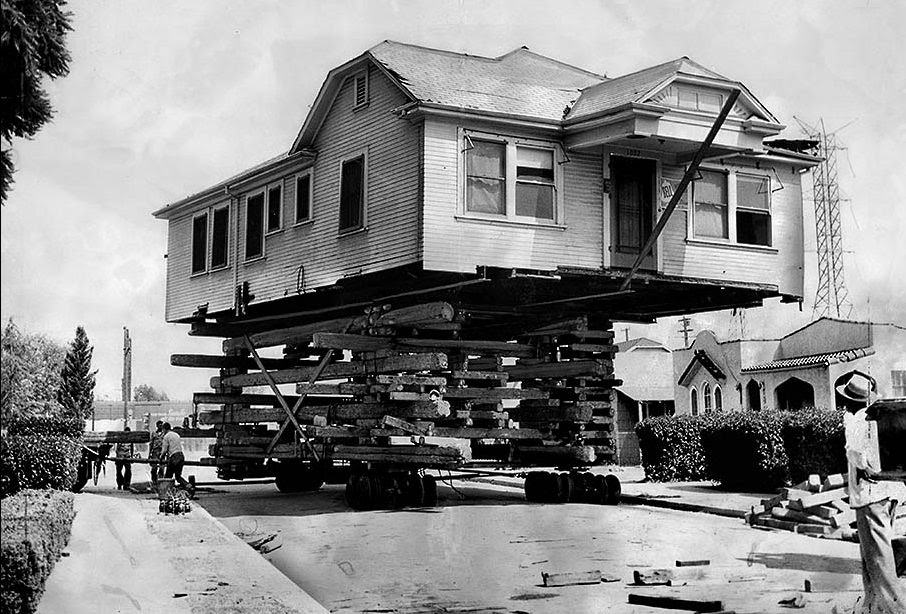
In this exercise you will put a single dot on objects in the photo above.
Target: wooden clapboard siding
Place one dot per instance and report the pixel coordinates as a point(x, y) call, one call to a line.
point(391, 237)
point(781, 266)
point(186, 292)
point(456, 244)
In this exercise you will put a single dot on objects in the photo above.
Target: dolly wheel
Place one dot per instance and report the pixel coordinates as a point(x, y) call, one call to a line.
point(576, 488)
point(358, 494)
point(599, 490)
point(563, 488)
point(429, 484)
point(414, 493)
point(613, 489)
point(534, 486)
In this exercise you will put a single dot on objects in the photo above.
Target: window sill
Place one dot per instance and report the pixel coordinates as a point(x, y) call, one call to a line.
point(307, 222)
point(255, 260)
point(198, 274)
point(273, 232)
point(362, 106)
point(352, 231)
point(735, 246)
point(474, 219)
point(225, 267)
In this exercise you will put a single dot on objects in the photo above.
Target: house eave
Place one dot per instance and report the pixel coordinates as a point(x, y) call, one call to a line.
point(433, 109)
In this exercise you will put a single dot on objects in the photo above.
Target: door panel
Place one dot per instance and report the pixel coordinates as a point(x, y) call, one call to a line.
point(632, 206)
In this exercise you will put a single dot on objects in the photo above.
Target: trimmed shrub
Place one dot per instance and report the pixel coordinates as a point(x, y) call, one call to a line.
point(745, 449)
point(35, 529)
point(40, 451)
point(671, 448)
point(814, 440)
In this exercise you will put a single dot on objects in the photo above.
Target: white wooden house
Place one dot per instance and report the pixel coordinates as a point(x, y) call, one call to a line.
point(423, 169)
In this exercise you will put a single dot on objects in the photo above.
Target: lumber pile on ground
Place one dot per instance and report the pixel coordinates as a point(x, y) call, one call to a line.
point(817, 507)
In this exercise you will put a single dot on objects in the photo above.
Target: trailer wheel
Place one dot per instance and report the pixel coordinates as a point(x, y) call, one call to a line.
point(414, 493)
point(534, 486)
point(564, 488)
point(293, 477)
point(613, 489)
point(599, 490)
point(429, 485)
point(576, 488)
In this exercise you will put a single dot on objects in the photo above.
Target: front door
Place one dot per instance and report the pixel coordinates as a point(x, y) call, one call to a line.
point(632, 204)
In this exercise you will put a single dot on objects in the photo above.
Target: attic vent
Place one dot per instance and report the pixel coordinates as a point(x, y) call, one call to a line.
point(361, 89)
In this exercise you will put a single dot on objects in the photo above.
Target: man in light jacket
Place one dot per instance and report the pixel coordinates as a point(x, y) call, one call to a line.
point(171, 453)
point(875, 501)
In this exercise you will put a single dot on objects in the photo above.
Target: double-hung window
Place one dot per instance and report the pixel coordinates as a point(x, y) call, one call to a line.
point(254, 226)
point(753, 210)
point(731, 207)
point(220, 237)
point(706, 397)
point(200, 243)
point(711, 206)
point(274, 208)
point(352, 194)
point(510, 179)
point(303, 197)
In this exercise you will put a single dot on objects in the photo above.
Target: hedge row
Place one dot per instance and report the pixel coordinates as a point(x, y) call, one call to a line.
point(40, 452)
point(757, 450)
point(35, 529)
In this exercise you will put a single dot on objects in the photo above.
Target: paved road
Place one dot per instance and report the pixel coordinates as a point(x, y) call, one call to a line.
point(485, 553)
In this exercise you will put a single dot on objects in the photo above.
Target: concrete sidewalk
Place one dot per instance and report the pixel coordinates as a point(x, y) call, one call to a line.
point(126, 556)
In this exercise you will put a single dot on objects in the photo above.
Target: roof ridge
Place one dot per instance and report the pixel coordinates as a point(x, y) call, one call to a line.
point(436, 50)
point(634, 73)
point(525, 49)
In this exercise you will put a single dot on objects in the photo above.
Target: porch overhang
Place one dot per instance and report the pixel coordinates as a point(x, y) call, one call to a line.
point(662, 130)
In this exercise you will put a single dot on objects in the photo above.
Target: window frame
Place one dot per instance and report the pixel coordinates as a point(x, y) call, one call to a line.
point(207, 240)
point(276, 185)
point(511, 147)
point(706, 397)
point(693, 400)
point(214, 210)
point(263, 193)
point(732, 207)
point(363, 221)
point(309, 172)
point(718, 403)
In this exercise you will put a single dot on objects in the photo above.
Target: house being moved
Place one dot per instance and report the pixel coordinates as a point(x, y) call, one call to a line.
point(417, 169)
point(491, 217)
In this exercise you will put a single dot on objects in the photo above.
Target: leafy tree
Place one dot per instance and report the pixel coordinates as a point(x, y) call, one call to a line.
point(76, 393)
point(32, 46)
point(145, 392)
point(31, 367)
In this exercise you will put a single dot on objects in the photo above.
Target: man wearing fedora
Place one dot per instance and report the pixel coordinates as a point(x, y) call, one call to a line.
point(875, 501)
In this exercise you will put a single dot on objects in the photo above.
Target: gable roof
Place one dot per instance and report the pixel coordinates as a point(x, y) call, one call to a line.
point(641, 342)
point(700, 358)
point(520, 82)
point(630, 88)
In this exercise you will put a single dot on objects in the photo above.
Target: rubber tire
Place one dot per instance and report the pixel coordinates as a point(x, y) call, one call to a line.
point(352, 491)
point(377, 499)
point(576, 488)
point(534, 486)
point(588, 484)
point(429, 486)
point(599, 490)
point(285, 480)
point(564, 488)
point(414, 494)
point(614, 490)
point(551, 488)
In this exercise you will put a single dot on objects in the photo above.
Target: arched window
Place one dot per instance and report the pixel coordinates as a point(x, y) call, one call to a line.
point(753, 391)
point(693, 401)
point(706, 397)
point(718, 399)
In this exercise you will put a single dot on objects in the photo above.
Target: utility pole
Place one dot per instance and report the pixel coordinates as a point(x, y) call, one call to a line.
point(127, 375)
point(685, 321)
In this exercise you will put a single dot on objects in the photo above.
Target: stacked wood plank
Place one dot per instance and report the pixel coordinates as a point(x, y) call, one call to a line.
point(393, 380)
point(816, 506)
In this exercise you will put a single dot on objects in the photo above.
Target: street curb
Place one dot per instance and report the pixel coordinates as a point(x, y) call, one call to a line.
point(682, 507)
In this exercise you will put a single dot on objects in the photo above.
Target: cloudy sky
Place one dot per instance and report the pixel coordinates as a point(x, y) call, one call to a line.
point(166, 98)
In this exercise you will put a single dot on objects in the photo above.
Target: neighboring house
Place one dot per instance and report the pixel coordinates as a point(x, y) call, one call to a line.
point(427, 167)
point(646, 368)
point(800, 370)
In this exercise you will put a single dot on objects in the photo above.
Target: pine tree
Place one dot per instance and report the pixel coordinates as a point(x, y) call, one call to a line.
point(76, 392)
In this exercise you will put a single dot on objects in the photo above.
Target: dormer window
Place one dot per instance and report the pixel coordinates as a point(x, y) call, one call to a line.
point(360, 89)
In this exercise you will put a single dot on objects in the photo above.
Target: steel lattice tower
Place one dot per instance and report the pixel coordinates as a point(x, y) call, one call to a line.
point(831, 296)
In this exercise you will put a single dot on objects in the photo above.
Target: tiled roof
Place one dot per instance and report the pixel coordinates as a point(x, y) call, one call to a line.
point(630, 88)
point(518, 83)
point(810, 361)
point(625, 346)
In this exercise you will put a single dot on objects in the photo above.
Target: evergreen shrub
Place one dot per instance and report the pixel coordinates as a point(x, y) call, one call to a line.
point(814, 440)
point(40, 452)
point(35, 528)
point(671, 448)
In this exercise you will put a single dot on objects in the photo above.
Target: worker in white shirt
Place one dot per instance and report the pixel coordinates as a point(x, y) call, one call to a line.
point(874, 500)
point(171, 454)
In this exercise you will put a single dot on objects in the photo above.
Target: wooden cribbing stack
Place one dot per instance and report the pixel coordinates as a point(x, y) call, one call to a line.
point(408, 389)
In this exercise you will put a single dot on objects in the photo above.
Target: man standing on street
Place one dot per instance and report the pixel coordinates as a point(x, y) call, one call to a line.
point(171, 453)
point(875, 501)
point(123, 467)
point(154, 451)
